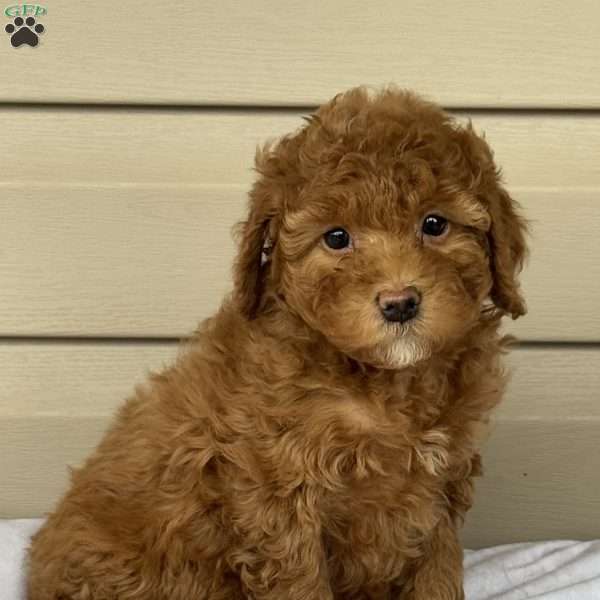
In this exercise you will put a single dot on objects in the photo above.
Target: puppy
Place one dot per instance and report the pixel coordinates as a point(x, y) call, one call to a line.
point(317, 439)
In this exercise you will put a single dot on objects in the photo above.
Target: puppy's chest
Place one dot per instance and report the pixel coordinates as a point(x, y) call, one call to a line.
point(372, 446)
point(383, 484)
point(373, 530)
point(388, 504)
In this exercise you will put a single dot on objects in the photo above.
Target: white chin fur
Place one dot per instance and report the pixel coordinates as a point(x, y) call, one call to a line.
point(404, 352)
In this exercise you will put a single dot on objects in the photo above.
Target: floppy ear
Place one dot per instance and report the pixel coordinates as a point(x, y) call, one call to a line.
point(277, 166)
point(508, 251)
point(255, 237)
point(506, 236)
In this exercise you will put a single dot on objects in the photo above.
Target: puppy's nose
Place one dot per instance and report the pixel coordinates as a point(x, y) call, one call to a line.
point(399, 307)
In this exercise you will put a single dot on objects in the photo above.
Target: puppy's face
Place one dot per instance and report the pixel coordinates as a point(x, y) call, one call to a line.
point(388, 277)
point(386, 227)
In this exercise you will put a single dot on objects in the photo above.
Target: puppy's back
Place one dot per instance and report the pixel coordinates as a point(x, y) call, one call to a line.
point(141, 492)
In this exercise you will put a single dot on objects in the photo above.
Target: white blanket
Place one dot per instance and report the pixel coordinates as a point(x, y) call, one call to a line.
point(561, 570)
point(550, 570)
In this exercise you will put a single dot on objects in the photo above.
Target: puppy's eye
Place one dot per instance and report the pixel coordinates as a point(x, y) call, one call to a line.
point(434, 225)
point(337, 239)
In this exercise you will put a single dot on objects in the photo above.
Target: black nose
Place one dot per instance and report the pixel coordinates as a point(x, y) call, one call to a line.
point(399, 307)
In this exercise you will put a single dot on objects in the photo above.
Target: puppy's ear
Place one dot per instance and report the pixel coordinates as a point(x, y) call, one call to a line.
point(506, 236)
point(255, 244)
point(508, 252)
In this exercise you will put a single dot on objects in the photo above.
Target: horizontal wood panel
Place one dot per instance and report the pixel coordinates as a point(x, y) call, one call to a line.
point(75, 378)
point(133, 261)
point(541, 460)
point(465, 53)
point(118, 262)
point(190, 147)
point(541, 482)
point(36, 454)
point(83, 378)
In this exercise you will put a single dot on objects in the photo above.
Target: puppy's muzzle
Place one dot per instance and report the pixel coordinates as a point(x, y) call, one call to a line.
point(399, 307)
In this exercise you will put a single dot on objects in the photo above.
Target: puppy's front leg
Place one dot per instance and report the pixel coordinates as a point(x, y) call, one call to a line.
point(438, 575)
point(284, 557)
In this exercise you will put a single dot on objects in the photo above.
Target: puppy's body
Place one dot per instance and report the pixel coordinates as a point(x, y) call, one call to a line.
point(300, 448)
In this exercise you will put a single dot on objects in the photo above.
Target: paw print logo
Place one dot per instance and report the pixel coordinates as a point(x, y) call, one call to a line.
point(24, 32)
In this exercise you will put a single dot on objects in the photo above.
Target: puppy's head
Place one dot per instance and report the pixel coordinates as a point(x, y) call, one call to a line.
point(383, 225)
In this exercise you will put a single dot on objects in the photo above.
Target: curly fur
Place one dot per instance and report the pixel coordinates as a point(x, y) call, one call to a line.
point(301, 447)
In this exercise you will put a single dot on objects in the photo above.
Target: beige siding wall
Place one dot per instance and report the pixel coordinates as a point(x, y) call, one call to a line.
point(126, 156)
